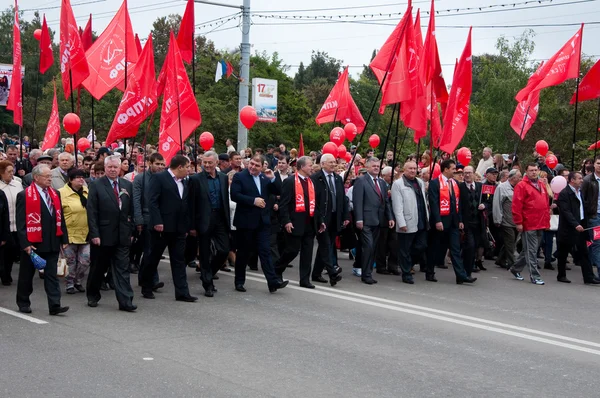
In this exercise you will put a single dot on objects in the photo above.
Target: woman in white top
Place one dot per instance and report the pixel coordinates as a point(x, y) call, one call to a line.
point(11, 186)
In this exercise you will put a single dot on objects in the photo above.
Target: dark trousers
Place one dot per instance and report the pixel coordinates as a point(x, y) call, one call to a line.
point(147, 241)
point(386, 256)
point(408, 247)
point(137, 249)
point(256, 240)
point(580, 247)
point(473, 241)
point(276, 244)
point(368, 242)
point(449, 238)
point(298, 244)
point(191, 249)
point(10, 253)
point(51, 284)
point(115, 259)
point(506, 259)
point(176, 244)
point(326, 252)
point(218, 234)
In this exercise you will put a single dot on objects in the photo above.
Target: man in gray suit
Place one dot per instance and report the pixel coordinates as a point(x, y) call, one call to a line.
point(59, 174)
point(372, 210)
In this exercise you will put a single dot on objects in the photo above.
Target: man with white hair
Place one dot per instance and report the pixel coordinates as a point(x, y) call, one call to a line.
point(486, 161)
point(503, 218)
point(59, 174)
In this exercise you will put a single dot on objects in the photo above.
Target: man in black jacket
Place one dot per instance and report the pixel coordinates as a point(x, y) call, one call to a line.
point(169, 225)
point(110, 220)
point(571, 230)
point(209, 209)
point(40, 228)
point(471, 210)
point(589, 194)
point(301, 218)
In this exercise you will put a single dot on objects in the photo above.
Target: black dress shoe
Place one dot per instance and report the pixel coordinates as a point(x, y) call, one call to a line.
point(443, 266)
point(209, 292)
point(333, 280)
point(338, 269)
point(319, 279)
point(159, 285)
point(214, 289)
point(80, 288)
point(594, 281)
point(128, 308)
point(281, 285)
point(192, 264)
point(410, 281)
point(253, 268)
point(6, 283)
point(468, 280)
point(150, 296)
point(25, 310)
point(225, 269)
point(307, 285)
point(71, 290)
point(563, 279)
point(368, 281)
point(549, 266)
point(240, 288)
point(383, 272)
point(395, 272)
point(475, 269)
point(59, 310)
point(92, 303)
point(187, 299)
point(104, 287)
point(430, 278)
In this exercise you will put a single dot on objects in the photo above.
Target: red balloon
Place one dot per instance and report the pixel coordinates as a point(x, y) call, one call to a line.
point(248, 116)
point(541, 147)
point(551, 161)
point(436, 171)
point(71, 123)
point(464, 156)
point(330, 148)
point(83, 144)
point(337, 136)
point(206, 140)
point(374, 141)
point(341, 151)
point(37, 34)
point(351, 131)
point(348, 157)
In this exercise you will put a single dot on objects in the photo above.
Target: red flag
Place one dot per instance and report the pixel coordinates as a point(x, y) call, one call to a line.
point(488, 189)
point(180, 114)
point(138, 44)
point(301, 147)
point(107, 55)
point(430, 67)
point(433, 115)
point(15, 96)
point(46, 53)
point(185, 36)
point(562, 66)
point(229, 69)
point(87, 39)
point(596, 233)
point(589, 88)
point(73, 64)
point(53, 129)
point(393, 58)
point(456, 118)
point(525, 114)
point(138, 100)
point(340, 98)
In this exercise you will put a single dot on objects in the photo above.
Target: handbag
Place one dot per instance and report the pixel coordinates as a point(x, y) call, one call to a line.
point(554, 222)
point(62, 269)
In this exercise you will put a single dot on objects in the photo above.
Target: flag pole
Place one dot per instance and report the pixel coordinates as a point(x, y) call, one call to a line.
point(93, 124)
point(431, 161)
point(522, 130)
point(37, 91)
point(576, 103)
point(597, 127)
point(73, 111)
point(387, 137)
point(194, 148)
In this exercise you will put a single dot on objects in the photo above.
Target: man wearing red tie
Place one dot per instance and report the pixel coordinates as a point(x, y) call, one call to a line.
point(372, 211)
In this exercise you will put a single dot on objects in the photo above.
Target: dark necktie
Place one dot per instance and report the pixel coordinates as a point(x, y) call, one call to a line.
point(332, 189)
point(116, 190)
point(377, 188)
point(48, 201)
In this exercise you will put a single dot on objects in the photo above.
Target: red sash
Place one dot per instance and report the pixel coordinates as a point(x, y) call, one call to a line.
point(299, 192)
point(445, 196)
point(33, 212)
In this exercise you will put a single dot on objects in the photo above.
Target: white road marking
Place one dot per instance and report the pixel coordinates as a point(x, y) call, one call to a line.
point(446, 316)
point(22, 316)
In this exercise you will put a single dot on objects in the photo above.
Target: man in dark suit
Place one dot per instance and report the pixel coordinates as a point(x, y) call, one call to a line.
point(301, 218)
point(41, 228)
point(571, 230)
point(446, 221)
point(209, 205)
point(329, 189)
point(250, 190)
point(372, 211)
point(471, 210)
point(169, 225)
point(110, 220)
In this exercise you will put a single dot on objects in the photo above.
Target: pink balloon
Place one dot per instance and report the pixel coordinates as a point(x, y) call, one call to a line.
point(337, 136)
point(557, 184)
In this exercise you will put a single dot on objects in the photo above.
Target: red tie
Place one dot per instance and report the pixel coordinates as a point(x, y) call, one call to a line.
point(116, 190)
point(377, 187)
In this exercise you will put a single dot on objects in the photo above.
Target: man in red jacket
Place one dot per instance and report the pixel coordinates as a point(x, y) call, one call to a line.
point(531, 215)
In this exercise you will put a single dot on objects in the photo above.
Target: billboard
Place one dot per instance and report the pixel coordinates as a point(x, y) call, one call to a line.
point(264, 99)
point(5, 81)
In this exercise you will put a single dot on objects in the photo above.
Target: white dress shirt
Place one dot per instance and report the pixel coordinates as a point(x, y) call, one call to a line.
point(179, 183)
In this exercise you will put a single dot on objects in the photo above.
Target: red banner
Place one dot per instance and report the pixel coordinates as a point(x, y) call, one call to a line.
point(589, 88)
point(53, 129)
point(46, 53)
point(488, 189)
point(73, 64)
point(185, 36)
point(108, 54)
point(15, 96)
point(525, 114)
point(596, 233)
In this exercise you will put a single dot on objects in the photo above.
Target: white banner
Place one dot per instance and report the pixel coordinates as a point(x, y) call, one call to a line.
point(264, 99)
point(5, 81)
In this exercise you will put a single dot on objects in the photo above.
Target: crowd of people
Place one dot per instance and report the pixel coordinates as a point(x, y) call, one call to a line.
point(112, 212)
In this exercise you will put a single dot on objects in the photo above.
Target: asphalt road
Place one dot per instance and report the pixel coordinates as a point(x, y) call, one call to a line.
point(496, 338)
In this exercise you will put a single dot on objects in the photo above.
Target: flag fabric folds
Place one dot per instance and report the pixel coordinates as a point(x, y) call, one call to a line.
point(589, 87)
point(107, 56)
point(87, 38)
point(53, 128)
point(224, 68)
point(46, 53)
point(15, 96)
point(456, 117)
point(525, 114)
point(301, 147)
point(185, 36)
point(139, 99)
point(180, 114)
point(138, 44)
point(73, 63)
point(339, 104)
